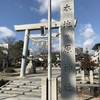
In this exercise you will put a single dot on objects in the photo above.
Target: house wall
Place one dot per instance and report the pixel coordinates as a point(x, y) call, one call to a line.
point(97, 54)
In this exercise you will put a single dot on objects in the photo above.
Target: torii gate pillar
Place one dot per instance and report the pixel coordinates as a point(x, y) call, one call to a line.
point(68, 78)
point(25, 51)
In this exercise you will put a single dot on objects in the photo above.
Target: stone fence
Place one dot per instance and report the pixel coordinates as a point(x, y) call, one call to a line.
point(84, 83)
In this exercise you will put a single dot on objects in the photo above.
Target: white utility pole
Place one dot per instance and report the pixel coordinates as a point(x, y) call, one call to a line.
point(49, 51)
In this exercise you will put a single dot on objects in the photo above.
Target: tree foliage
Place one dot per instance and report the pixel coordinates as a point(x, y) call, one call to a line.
point(17, 52)
point(17, 49)
point(43, 50)
point(9, 57)
point(87, 63)
point(14, 50)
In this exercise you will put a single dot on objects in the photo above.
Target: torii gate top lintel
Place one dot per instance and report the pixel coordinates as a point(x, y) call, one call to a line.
point(36, 26)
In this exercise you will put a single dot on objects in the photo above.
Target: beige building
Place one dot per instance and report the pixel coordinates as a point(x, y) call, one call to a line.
point(96, 49)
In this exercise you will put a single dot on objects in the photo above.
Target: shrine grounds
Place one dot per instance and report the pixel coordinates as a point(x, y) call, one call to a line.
point(84, 93)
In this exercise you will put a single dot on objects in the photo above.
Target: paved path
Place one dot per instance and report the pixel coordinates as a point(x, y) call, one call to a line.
point(28, 87)
point(25, 88)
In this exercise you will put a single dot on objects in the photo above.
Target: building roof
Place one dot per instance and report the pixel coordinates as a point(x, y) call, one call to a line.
point(96, 46)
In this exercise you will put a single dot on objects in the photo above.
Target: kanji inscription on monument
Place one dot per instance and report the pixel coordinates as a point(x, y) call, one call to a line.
point(67, 36)
point(67, 8)
point(67, 24)
point(68, 78)
point(67, 68)
point(67, 48)
point(68, 87)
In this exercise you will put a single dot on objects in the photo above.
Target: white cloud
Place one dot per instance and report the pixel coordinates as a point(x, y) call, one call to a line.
point(87, 37)
point(55, 4)
point(33, 9)
point(53, 20)
point(56, 47)
point(33, 51)
point(87, 31)
point(43, 20)
point(46, 20)
point(89, 43)
point(4, 31)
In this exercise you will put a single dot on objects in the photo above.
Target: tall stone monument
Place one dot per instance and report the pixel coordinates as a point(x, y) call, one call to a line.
point(68, 78)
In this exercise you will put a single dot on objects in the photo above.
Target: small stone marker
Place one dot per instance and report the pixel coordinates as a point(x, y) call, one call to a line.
point(91, 77)
point(82, 73)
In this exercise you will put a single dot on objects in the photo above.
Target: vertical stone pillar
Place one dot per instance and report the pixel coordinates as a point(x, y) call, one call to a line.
point(91, 77)
point(99, 76)
point(44, 93)
point(60, 41)
point(25, 51)
point(68, 77)
point(82, 73)
point(54, 89)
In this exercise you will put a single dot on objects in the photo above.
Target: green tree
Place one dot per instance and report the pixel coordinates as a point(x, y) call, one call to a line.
point(87, 63)
point(13, 52)
point(17, 52)
point(9, 57)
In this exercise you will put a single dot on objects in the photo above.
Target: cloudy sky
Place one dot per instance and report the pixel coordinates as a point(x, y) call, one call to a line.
point(16, 12)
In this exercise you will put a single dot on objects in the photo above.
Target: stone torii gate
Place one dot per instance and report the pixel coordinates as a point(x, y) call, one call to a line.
point(27, 28)
point(66, 24)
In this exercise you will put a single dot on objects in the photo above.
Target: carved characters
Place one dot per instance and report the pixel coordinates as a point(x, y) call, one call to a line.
point(67, 8)
point(68, 87)
point(67, 24)
point(67, 36)
point(67, 68)
point(67, 49)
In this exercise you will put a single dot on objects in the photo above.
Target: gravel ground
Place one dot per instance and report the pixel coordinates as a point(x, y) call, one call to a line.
point(84, 97)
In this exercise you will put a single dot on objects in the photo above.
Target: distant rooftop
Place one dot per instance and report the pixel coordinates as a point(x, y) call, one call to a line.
point(96, 46)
